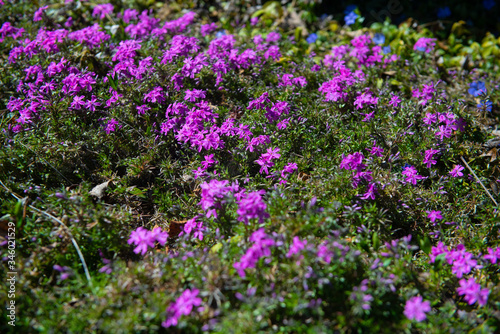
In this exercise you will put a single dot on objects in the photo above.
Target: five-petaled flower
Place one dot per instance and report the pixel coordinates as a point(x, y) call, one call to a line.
point(416, 308)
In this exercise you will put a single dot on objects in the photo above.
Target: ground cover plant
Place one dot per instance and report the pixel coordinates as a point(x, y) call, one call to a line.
point(219, 167)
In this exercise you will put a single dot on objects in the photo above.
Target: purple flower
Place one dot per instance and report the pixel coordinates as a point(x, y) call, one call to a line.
point(78, 102)
point(102, 10)
point(182, 306)
point(212, 195)
point(425, 44)
point(411, 175)
point(297, 246)
point(376, 151)
point(39, 13)
point(434, 215)
point(252, 206)
point(493, 255)
point(265, 160)
point(472, 292)
point(416, 308)
point(365, 98)
point(196, 227)
point(143, 239)
point(272, 37)
point(463, 263)
point(193, 95)
point(444, 131)
point(395, 101)
point(353, 162)
point(260, 248)
point(457, 171)
point(92, 103)
point(111, 125)
point(65, 271)
point(129, 14)
point(370, 192)
point(428, 161)
point(155, 96)
point(206, 29)
point(209, 161)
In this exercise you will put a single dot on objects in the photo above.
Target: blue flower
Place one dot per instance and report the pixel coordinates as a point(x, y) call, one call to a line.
point(219, 34)
point(379, 39)
point(350, 18)
point(312, 38)
point(349, 9)
point(486, 105)
point(477, 88)
point(489, 4)
point(443, 12)
point(386, 49)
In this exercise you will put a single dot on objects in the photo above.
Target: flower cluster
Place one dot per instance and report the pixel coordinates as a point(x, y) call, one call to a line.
point(261, 247)
point(182, 306)
point(143, 239)
point(425, 44)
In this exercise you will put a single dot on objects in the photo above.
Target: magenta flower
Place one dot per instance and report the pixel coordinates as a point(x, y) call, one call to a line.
point(297, 246)
point(472, 292)
point(395, 101)
point(111, 125)
point(425, 44)
point(252, 206)
point(206, 29)
point(261, 247)
point(370, 192)
point(434, 215)
point(376, 151)
point(493, 255)
point(411, 175)
point(416, 308)
point(39, 13)
point(143, 239)
point(182, 306)
point(65, 271)
point(428, 158)
point(78, 102)
point(102, 10)
point(457, 171)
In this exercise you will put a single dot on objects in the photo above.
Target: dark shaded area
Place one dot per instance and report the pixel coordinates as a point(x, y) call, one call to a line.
point(482, 16)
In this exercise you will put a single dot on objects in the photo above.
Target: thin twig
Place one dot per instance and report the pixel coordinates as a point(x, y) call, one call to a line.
point(45, 161)
point(478, 180)
point(80, 255)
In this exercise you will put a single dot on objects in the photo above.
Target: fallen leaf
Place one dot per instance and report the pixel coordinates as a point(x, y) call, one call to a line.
point(98, 191)
point(175, 228)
